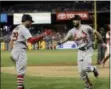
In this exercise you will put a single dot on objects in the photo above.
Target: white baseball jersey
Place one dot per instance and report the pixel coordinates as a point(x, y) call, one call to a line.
point(84, 57)
point(84, 30)
point(20, 35)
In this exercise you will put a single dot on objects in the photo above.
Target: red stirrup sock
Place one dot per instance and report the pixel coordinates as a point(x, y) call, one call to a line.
point(20, 82)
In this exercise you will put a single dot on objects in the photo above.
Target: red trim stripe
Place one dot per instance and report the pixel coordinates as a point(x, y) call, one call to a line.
point(20, 76)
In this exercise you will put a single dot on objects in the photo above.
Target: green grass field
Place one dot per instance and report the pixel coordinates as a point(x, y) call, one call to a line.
point(8, 82)
point(49, 57)
point(46, 57)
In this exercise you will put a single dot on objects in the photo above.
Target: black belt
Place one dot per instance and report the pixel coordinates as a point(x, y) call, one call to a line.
point(85, 48)
point(23, 43)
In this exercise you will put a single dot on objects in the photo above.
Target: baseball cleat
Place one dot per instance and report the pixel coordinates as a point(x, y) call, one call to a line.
point(95, 71)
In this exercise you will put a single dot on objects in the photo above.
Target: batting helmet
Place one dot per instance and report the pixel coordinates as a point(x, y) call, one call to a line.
point(27, 17)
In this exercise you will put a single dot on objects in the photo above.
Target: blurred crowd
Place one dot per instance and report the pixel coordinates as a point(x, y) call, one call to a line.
point(57, 7)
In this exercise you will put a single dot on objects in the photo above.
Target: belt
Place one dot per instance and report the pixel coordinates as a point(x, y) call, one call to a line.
point(22, 43)
point(85, 48)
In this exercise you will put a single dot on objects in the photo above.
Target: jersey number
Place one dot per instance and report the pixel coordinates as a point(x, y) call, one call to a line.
point(15, 35)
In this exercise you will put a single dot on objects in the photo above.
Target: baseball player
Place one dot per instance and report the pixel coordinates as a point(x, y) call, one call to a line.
point(18, 43)
point(82, 35)
point(107, 53)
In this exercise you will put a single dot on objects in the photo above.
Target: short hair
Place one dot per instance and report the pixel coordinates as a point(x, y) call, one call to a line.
point(26, 17)
point(76, 17)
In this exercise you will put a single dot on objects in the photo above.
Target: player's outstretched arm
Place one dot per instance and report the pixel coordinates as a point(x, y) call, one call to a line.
point(69, 34)
point(62, 40)
point(37, 38)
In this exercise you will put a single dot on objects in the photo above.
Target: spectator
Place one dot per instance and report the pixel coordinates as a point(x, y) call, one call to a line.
point(107, 51)
point(48, 41)
point(54, 42)
point(101, 49)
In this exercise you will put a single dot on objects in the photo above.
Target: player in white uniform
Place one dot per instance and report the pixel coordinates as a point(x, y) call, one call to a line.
point(82, 35)
point(18, 43)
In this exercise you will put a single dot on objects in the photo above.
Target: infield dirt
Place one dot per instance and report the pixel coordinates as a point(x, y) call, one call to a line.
point(54, 71)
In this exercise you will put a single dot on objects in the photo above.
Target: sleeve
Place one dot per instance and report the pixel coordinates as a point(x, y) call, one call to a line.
point(13, 36)
point(26, 34)
point(69, 34)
